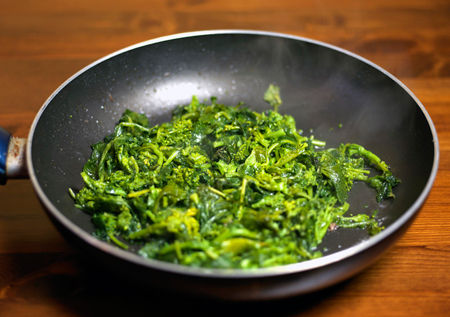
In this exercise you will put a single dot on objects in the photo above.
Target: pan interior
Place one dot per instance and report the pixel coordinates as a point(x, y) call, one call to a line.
point(332, 95)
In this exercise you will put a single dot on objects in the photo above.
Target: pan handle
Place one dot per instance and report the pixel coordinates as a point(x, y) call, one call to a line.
point(12, 157)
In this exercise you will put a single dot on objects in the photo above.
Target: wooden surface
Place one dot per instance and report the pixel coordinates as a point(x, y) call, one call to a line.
point(44, 42)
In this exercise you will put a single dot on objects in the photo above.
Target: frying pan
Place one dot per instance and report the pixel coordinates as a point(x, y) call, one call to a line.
point(333, 94)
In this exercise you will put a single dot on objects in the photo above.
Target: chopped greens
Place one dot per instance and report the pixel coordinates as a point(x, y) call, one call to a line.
point(224, 187)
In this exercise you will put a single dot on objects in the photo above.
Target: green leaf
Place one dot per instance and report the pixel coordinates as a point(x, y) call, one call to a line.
point(225, 187)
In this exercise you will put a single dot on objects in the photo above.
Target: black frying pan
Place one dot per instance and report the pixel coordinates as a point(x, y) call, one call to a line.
point(322, 87)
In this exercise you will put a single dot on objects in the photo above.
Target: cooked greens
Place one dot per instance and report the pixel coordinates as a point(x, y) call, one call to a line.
point(224, 187)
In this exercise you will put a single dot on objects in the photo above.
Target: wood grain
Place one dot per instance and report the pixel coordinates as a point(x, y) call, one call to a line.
point(44, 42)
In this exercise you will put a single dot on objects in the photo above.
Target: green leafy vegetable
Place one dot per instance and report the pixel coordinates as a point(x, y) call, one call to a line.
point(224, 187)
point(272, 96)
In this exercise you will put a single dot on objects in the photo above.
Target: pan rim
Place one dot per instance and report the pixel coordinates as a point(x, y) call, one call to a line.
point(232, 273)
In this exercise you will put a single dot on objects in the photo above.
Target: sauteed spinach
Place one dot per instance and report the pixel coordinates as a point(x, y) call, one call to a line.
point(224, 187)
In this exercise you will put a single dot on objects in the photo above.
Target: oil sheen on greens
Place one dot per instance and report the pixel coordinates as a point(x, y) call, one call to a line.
point(224, 187)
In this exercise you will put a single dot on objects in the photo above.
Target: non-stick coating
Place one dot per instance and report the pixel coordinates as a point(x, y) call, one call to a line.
point(332, 94)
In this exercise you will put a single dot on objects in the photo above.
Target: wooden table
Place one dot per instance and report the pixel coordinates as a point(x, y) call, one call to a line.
point(44, 42)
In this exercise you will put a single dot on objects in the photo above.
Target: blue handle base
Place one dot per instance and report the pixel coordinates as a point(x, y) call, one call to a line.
point(4, 143)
